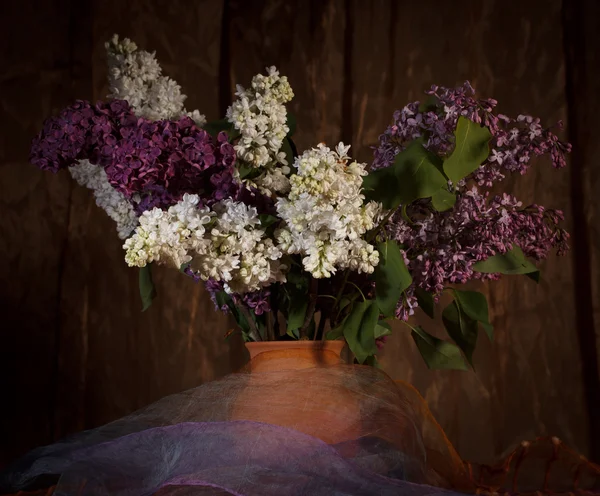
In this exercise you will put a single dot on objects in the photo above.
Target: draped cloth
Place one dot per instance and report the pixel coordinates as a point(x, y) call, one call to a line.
point(323, 430)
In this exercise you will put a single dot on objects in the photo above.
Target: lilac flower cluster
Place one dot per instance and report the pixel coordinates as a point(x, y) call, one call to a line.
point(442, 247)
point(80, 132)
point(514, 141)
point(258, 301)
point(153, 163)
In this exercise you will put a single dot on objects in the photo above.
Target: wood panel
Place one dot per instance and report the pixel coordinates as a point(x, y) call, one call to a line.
point(582, 39)
point(33, 217)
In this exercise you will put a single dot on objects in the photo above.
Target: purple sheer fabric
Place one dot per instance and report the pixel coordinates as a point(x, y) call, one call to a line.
point(208, 441)
point(240, 458)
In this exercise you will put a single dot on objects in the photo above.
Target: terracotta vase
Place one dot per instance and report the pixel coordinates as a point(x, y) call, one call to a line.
point(298, 384)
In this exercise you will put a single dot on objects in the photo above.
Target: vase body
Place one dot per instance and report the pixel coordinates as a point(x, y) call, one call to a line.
point(297, 384)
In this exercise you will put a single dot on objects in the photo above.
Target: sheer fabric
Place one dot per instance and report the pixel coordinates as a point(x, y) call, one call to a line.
point(324, 430)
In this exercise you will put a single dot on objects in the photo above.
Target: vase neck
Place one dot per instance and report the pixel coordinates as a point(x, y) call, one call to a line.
point(293, 355)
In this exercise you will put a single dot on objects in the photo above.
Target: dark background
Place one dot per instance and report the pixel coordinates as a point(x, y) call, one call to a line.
point(77, 352)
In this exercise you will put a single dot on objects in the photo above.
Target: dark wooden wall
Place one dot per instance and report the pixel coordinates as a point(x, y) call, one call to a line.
point(77, 352)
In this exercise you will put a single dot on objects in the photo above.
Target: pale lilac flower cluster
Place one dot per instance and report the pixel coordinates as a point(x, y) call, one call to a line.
point(441, 247)
point(225, 243)
point(514, 141)
point(136, 76)
point(170, 236)
point(326, 214)
point(113, 202)
point(260, 116)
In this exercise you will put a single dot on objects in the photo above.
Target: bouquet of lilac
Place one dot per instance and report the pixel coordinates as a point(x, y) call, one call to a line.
point(311, 245)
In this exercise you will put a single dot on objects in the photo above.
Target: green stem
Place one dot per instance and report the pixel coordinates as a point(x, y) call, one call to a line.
point(381, 225)
point(341, 291)
point(359, 290)
point(254, 334)
point(321, 327)
point(312, 306)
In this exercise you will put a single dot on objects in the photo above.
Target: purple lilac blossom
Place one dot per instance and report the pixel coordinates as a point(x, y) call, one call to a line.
point(153, 163)
point(258, 301)
point(441, 248)
point(514, 141)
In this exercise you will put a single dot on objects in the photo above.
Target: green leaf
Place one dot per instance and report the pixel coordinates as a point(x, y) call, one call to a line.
point(474, 305)
point(147, 289)
point(426, 302)
point(437, 354)
point(291, 124)
point(443, 200)
point(286, 147)
point(344, 302)
point(297, 310)
point(461, 328)
point(470, 151)
point(382, 329)
point(294, 333)
point(359, 329)
point(413, 175)
point(267, 220)
point(247, 172)
point(391, 277)
point(215, 127)
point(512, 262)
point(372, 361)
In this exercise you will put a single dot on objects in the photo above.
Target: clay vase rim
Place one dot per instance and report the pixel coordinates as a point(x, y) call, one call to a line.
point(255, 348)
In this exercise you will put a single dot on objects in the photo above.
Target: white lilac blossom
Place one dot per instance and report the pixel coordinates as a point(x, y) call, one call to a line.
point(107, 198)
point(136, 76)
point(226, 244)
point(240, 254)
point(169, 236)
point(325, 214)
point(260, 116)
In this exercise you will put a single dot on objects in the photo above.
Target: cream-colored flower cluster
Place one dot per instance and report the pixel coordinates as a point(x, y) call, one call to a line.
point(240, 253)
point(136, 76)
point(169, 236)
point(107, 198)
point(325, 214)
point(260, 116)
point(226, 244)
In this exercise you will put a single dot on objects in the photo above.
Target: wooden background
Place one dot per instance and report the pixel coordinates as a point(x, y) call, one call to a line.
point(77, 352)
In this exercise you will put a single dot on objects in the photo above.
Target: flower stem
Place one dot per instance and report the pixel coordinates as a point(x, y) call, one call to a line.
point(254, 334)
point(342, 287)
point(270, 332)
point(381, 225)
point(321, 329)
point(312, 306)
